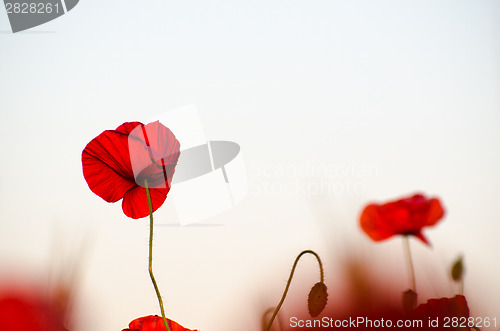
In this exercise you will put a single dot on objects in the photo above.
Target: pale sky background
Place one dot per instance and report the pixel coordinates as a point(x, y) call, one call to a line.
point(408, 90)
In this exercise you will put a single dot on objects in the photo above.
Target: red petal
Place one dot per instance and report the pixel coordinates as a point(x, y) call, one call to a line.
point(154, 152)
point(106, 165)
point(155, 323)
point(436, 212)
point(128, 127)
point(163, 141)
point(445, 307)
point(420, 236)
point(396, 217)
point(30, 311)
point(373, 224)
point(135, 203)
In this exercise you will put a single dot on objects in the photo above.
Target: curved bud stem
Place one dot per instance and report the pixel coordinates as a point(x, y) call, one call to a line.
point(150, 205)
point(264, 319)
point(290, 281)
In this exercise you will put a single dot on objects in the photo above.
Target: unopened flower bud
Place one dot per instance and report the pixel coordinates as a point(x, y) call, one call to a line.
point(409, 301)
point(317, 299)
point(457, 270)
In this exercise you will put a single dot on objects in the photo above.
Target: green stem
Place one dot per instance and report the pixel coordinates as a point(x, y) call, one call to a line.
point(150, 205)
point(290, 281)
point(406, 245)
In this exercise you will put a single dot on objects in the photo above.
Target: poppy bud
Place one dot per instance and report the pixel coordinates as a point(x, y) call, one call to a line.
point(409, 301)
point(317, 299)
point(457, 269)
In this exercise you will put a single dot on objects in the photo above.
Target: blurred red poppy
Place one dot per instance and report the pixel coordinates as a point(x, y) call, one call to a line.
point(154, 323)
point(26, 309)
point(451, 307)
point(444, 310)
point(405, 217)
point(117, 163)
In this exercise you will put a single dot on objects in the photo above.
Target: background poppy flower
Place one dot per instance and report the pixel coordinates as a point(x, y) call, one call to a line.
point(452, 307)
point(154, 323)
point(117, 163)
point(444, 308)
point(27, 309)
point(406, 217)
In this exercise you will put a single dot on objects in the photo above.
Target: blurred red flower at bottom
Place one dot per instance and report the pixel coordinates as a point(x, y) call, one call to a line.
point(456, 306)
point(154, 323)
point(445, 310)
point(26, 310)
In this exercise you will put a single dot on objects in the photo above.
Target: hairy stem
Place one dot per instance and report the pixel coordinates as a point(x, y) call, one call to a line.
point(290, 281)
point(150, 205)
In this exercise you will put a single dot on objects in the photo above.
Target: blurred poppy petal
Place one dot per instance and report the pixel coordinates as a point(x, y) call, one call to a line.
point(444, 308)
point(420, 236)
point(28, 310)
point(436, 212)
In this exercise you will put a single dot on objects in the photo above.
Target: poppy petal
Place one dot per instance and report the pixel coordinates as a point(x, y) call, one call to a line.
point(373, 224)
point(135, 203)
point(420, 236)
point(436, 212)
point(155, 323)
point(106, 165)
point(128, 127)
point(450, 307)
point(156, 135)
point(154, 152)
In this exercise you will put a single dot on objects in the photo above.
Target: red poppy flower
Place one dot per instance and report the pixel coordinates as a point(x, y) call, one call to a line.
point(406, 216)
point(451, 307)
point(443, 309)
point(154, 323)
point(28, 310)
point(117, 163)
